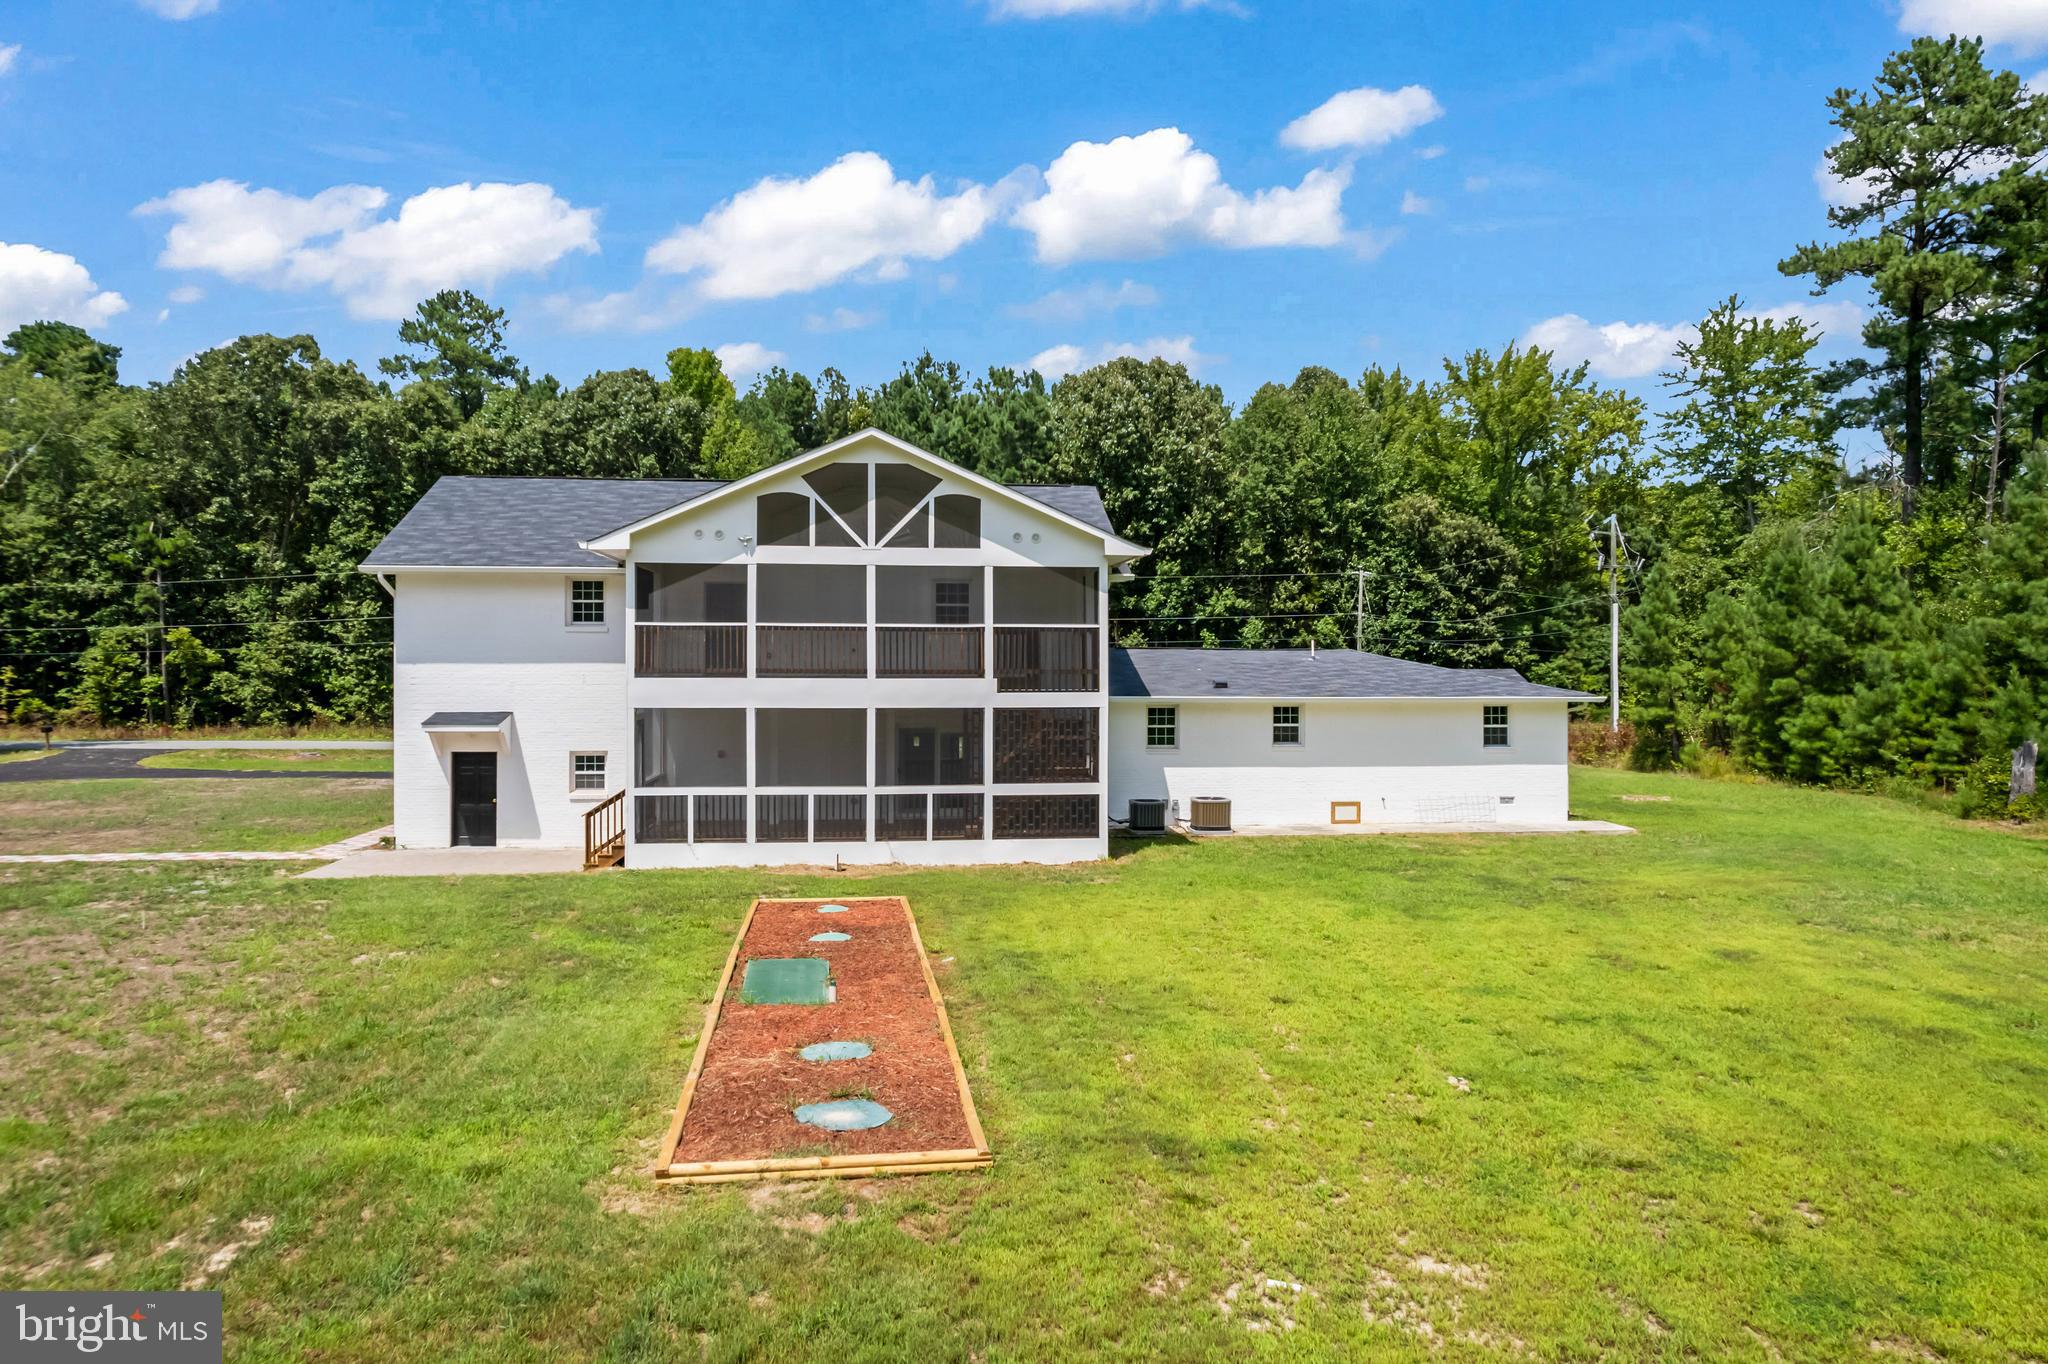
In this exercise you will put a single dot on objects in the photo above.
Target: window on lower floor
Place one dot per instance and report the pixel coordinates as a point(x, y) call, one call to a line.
point(1287, 724)
point(810, 748)
point(586, 601)
point(1493, 726)
point(1162, 726)
point(586, 771)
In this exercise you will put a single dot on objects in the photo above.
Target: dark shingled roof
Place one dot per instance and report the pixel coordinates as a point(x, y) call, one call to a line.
point(471, 522)
point(1193, 674)
point(468, 522)
point(465, 719)
point(1082, 501)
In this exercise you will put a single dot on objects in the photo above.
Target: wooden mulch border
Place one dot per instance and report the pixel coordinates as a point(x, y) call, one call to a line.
point(670, 1171)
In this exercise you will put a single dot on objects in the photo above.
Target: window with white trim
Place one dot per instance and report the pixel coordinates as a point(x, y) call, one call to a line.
point(1162, 727)
point(1287, 725)
point(1493, 726)
point(952, 603)
point(586, 772)
point(586, 601)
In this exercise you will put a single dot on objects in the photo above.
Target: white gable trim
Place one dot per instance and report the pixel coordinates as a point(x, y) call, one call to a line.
point(616, 543)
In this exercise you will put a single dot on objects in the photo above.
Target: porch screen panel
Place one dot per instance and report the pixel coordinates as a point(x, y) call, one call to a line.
point(810, 748)
point(1045, 596)
point(689, 747)
point(927, 747)
point(811, 594)
point(1054, 744)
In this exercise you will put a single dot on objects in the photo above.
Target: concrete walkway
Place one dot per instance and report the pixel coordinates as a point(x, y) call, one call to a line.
point(347, 847)
point(450, 862)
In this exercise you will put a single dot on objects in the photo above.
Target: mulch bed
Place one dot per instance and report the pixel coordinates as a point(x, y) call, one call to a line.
point(752, 1080)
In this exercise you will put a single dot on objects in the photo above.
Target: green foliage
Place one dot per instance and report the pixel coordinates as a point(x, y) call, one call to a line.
point(1656, 655)
point(459, 343)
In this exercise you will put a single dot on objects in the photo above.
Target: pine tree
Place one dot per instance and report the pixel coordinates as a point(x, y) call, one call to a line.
point(1768, 707)
point(2014, 619)
point(1657, 672)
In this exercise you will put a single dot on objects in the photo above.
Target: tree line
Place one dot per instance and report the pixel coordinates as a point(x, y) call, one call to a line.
point(183, 552)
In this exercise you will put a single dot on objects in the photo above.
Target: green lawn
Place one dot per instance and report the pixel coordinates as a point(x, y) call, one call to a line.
point(22, 755)
point(1766, 1081)
point(273, 759)
point(145, 814)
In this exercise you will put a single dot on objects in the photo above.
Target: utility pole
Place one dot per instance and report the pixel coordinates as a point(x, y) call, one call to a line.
point(1616, 545)
point(1358, 612)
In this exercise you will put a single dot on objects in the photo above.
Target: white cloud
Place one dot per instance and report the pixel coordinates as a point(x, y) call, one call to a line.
point(48, 286)
point(1636, 350)
point(179, 9)
point(745, 359)
point(787, 236)
point(1431, 152)
point(1067, 9)
point(2037, 84)
point(1071, 305)
point(8, 53)
point(643, 308)
point(1136, 196)
point(2019, 24)
point(187, 293)
point(1055, 361)
point(1365, 117)
point(841, 320)
point(450, 236)
point(1413, 203)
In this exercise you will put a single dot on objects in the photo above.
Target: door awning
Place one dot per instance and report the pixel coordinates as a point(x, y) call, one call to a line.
point(467, 722)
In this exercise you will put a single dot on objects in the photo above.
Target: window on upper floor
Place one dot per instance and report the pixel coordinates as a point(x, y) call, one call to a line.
point(956, 521)
point(1045, 596)
point(586, 601)
point(1493, 726)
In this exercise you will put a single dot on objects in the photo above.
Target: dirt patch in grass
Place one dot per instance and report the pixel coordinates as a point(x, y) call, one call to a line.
point(753, 1080)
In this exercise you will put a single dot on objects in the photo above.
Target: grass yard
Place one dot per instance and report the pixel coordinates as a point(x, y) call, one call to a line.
point(273, 760)
point(144, 814)
point(1767, 1081)
point(23, 755)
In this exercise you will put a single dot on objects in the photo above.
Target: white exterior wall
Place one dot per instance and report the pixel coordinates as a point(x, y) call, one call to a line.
point(500, 641)
point(1404, 762)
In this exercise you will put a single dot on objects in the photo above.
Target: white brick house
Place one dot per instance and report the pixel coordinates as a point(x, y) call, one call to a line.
point(870, 654)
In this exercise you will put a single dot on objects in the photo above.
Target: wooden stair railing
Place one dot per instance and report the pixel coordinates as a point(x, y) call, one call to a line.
point(604, 832)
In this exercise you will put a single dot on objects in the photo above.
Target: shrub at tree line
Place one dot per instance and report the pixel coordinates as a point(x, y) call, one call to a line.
point(184, 552)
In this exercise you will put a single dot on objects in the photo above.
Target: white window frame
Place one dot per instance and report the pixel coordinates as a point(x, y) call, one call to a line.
point(1294, 724)
point(603, 774)
point(1488, 725)
point(569, 604)
point(965, 605)
point(1171, 725)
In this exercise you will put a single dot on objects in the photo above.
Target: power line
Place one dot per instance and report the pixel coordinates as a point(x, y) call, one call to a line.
point(171, 582)
point(293, 643)
point(199, 625)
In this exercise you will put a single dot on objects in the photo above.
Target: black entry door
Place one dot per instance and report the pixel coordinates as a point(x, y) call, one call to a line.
point(916, 761)
point(475, 787)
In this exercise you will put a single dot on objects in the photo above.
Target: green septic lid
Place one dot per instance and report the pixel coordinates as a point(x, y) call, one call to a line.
point(831, 937)
point(844, 1115)
point(832, 909)
point(786, 980)
point(834, 1051)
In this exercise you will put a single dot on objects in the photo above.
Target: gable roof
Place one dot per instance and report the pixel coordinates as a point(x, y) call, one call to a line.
point(614, 540)
point(466, 521)
point(1325, 674)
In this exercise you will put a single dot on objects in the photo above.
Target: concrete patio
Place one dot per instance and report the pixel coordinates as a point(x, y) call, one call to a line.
point(449, 862)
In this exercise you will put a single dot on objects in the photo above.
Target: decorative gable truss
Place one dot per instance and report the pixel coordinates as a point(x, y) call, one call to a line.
point(892, 506)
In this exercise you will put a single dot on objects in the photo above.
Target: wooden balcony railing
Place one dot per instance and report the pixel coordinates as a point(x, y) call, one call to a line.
point(604, 832)
point(928, 651)
point(812, 651)
point(1047, 658)
point(683, 650)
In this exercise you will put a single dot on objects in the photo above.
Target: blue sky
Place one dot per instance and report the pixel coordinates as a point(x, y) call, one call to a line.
point(1249, 187)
